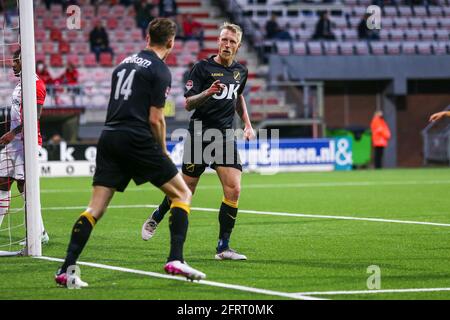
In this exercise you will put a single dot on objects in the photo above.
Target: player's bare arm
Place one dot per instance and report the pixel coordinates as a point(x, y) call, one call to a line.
point(9, 136)
point(158, 126)
point(197, 100)
point(241, 109)
point(439, 115)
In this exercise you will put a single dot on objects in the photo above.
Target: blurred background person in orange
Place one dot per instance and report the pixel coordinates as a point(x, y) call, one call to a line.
point(380, 137)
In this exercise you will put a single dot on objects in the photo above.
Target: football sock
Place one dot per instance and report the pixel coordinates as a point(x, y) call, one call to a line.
point(161, 211)
point(5, 197)
point(178, 225)
point(80, 235)
point(227, 219)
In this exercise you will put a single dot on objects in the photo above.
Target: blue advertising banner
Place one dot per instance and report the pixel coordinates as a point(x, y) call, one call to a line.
point(287, 154)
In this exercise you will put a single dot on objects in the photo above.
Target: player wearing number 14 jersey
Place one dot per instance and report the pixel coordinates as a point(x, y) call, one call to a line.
point(133, 147)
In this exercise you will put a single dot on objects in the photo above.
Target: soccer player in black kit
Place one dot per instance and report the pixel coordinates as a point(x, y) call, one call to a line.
point(133, 146)
point(214, 91)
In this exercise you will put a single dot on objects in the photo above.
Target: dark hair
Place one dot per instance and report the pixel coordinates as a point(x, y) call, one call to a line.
point(16, 54)
point(160, 30)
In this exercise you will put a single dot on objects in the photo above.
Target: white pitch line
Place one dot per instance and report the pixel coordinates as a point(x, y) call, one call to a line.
point(282, 185)
point(270, 213)
point(373, 291)
point(202, 282)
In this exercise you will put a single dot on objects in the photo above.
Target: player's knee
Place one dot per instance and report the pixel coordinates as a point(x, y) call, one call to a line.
point(233, 192)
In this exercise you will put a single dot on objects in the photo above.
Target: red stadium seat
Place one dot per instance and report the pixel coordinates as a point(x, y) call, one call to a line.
point(106, 59)
point(40, 35)
point(89, 60)
point(73, 58)
point(120, 57)
point(171, 60)
point(81, 47)
point(120, 36)
point(48, 47)
point(56, 60)
point(112, 23)
point(409, 48)
point(55, 34)
point(299, 48)
point(64, 47)
point(73, 36)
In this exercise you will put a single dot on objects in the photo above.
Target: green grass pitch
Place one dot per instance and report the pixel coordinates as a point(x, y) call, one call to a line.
point(287, 254)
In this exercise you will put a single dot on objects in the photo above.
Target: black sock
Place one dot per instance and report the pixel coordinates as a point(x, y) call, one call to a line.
point(163, 208)
point(178, 225)
point(80, 235)
point(227, 219)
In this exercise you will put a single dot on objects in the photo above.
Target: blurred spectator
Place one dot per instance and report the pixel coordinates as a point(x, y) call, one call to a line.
point(42, 72)
point(145, 13)
point(380, 137)
point(323, 28)
point(99, 41)
point(180, 31)
point(364, 33)
point(272, 27)
point(187, 73)
point(168, 8)
point(53, 148)
point(70, 75)
point(193, 30)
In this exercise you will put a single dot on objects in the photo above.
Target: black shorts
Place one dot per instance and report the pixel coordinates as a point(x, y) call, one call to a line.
point(200, 154)
point(122, 156)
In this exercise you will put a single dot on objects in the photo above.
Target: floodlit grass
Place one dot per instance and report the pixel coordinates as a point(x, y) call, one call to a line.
point(287, 254)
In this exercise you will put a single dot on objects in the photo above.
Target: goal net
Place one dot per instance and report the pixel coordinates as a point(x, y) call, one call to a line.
point(20, 228)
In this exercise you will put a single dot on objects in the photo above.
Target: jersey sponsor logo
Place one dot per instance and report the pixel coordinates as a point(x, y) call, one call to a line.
point(217, 74)
point(137, 60)
point(228, 92)
point(237, 75)
point(189, 85)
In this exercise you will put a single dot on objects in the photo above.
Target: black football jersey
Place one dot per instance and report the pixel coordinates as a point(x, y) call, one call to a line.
point(138, 82)
point(218, 111)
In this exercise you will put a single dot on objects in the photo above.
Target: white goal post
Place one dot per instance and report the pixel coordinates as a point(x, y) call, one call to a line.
point(32, 187)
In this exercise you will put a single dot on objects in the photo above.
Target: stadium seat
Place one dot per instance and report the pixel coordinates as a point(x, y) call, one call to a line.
point(55, 35)
point(48, 47)
point(435, 11)
point(405, 11)
point(118, 11)
point(401, 22)
point(73, 58)
point(384, 34)
point(426, 35)
point(48, 24)
point(171, 60)
point(299, 48)
point(64, 47)
point(136, 35)
point(40, 57)
point(416, 23)
point(315, 48)
point(178, 47)
point(304, 35)
point(88, 11)
point(119, 35)
point(359, 11)
point(353, 21)
point(346, 48)
point(340, 22)
point(390, 11)
point(56, 60)
point(186, 58)
point(40, 35)
point(120, 57)
point(440, 48)
point(409, 48)
point(377, 48)
point(331, 48)
point(393, 48)
point(420, 11)
point(412, 35)
point(106, 59)
point(361, 48)
point(445, 22)
point(350, 35)
point(128, 48)
point(442, 35)
point(192, 46)
point(424, 47)
point(128, 23)
point(431, 22)
point(283, 48)
point(387, 23)
point(103, 11)
point(89, 60)
point(73, 36)
point(81, 48)
point(112, 23)
point(39, 12)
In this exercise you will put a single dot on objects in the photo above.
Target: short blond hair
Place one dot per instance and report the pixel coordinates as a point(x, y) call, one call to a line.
point(233, 28)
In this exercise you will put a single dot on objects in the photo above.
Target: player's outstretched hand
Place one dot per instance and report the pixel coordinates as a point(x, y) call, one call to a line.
point(216, 87)
point(249, 133)
point(7, 138)
point(439, 115)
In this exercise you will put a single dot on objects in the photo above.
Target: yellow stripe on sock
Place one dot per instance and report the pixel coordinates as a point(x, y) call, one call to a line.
point(181, 205)
point(233, 204)
point(90, 218)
